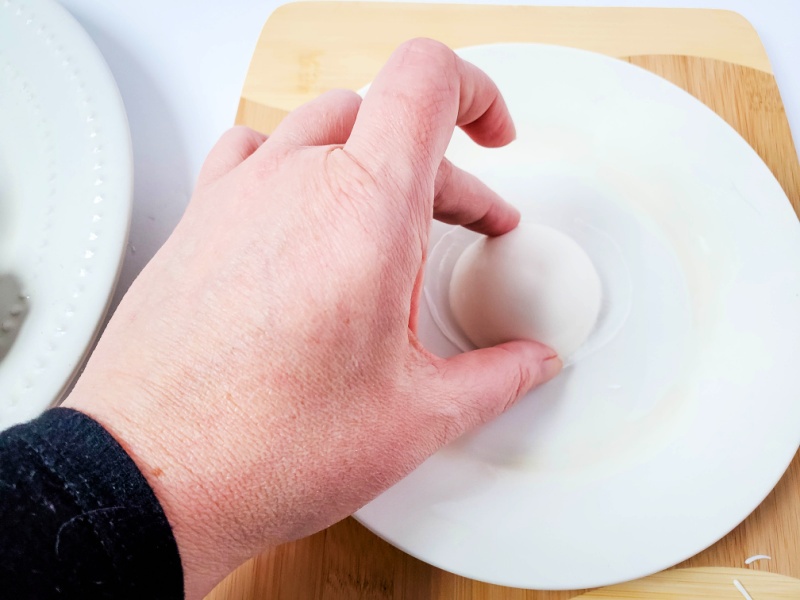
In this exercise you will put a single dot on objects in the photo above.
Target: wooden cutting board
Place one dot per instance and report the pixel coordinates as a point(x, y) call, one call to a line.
point(704, 583)
point(309, 47)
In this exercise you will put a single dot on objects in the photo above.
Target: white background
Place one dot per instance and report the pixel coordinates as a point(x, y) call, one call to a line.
point(180, 65)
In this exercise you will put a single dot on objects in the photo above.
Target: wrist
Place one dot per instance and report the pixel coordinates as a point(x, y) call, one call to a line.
point(173, 465)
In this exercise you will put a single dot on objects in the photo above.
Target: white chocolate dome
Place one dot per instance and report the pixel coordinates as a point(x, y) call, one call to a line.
point(532, 283)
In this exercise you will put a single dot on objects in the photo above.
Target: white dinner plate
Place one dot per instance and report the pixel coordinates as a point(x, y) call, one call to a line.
point(683, 409)
point(66, 175)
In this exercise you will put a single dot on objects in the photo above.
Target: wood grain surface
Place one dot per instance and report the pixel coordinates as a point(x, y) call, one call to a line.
point(702, 584)
point(307, 48)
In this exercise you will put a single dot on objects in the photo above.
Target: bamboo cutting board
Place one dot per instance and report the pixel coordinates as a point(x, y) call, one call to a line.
point(310, 47)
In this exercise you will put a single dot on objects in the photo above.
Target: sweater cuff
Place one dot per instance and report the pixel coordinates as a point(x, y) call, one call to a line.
point(77, 517)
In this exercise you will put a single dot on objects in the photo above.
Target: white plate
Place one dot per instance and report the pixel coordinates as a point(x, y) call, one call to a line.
point(685, 413)
point(65, 196)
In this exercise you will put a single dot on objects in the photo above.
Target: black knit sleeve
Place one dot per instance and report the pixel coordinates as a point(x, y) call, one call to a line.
point(77, 517)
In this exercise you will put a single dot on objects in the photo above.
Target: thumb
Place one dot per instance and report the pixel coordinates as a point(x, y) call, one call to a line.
point(489, 381)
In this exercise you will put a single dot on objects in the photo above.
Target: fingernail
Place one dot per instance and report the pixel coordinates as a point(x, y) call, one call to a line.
point(550, 368)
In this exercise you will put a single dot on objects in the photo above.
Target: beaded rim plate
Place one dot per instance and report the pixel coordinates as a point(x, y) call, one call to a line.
point(66, 179)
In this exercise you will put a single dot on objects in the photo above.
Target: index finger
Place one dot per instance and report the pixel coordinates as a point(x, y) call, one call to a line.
point(408, 115)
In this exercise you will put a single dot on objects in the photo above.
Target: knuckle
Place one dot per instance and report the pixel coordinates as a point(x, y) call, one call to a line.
point(434, 59)
point(347, 179)
point(447, 422)
point(435, 92)
point(242, 135)
point(378, 206)
point(519, 382)
point(451, 413)
point(352, 190)
point(240, 130)
point(270, 161)
point(442, 182)
point(344, 95)
point(426, 50)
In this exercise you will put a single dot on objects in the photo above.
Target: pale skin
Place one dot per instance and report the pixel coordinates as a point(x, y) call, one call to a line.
point(264, 370)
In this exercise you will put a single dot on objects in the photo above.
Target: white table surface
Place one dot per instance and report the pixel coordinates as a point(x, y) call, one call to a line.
point(180, 65)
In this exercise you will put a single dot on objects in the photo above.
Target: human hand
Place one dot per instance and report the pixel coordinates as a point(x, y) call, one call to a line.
point(264, 370)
